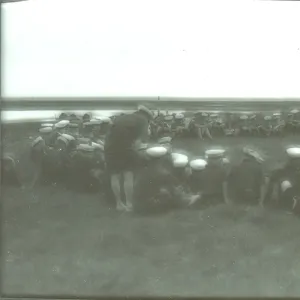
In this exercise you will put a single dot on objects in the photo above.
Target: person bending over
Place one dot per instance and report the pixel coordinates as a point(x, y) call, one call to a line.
point(126, 133)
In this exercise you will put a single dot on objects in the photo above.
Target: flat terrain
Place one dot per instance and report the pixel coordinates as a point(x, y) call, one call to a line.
point(56, 242)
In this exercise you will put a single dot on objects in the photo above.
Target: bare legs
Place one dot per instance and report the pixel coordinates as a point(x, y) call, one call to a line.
point(128, 189)
point(204, 131)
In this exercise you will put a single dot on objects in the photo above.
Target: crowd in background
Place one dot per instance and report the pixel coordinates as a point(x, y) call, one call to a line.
point(131, 160)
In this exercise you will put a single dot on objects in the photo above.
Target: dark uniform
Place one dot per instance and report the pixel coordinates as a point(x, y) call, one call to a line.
point(153, 192)
point(245, 181)
point(284, 186)
point(214, 179)
point(195, 179)
point(45, 156)
point(180, 171)
point(122, 141)
point(126, 129)
point(157, 188)
point(86, 167)
point(178, 125)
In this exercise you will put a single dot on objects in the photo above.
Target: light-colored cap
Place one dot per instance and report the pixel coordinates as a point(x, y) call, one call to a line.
point(104, 119)
point(95, 122)
point(98, 146)
point(225, 160)
point(46, 125)
point(214, 153)
point(62, 124)
point(73, 125)
point(179, 116)
point(165, 140)
point(168, 118)
point(156, 151)
point(45, 129)
point(278, 114)
point(37, 141)
point(85, 124)
point(198, 164)
point(85, 147)
point(253, 153)
point(142, 147)
point(293, 152)
point(145, 110)
point(68, 137)
point(179, 160)
point(244, 117)
point(294, 111)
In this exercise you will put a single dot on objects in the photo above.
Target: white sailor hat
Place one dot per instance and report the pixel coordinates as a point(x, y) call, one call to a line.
point(37, 141)
point(142, 147)
point(244, 117)
point(85, 147)
point(179, 160)
point(253, 153)
point(45, 130)
point(214, 153)
point(46, 125)
point(145, 110)
point(68, 137)
point(294, 111)
point(179, 116)
point(97, 146)
point(104, 119)
point(278, 114)
point(168, 117)
point(85, 124)
point(62, 124)
point(73, 125)
point(95, 122)
point(225, 160)
point(198, 164)
point(157, 151)
point(267, 118)
point(165, 140)
point(63, 139)
point(293, 152)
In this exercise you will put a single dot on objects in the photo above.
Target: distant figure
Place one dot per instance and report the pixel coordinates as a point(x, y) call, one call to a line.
point(126, 132)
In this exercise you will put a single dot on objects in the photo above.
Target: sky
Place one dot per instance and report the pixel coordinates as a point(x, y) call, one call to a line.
point(166, 48)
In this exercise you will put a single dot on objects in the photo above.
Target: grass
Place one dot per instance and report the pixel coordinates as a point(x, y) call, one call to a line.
point(57, 242)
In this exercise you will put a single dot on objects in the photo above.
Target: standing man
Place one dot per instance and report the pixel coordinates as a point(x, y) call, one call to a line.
point(127, 132)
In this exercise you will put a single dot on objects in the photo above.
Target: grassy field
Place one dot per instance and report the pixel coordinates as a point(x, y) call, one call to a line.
point(57, 242)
